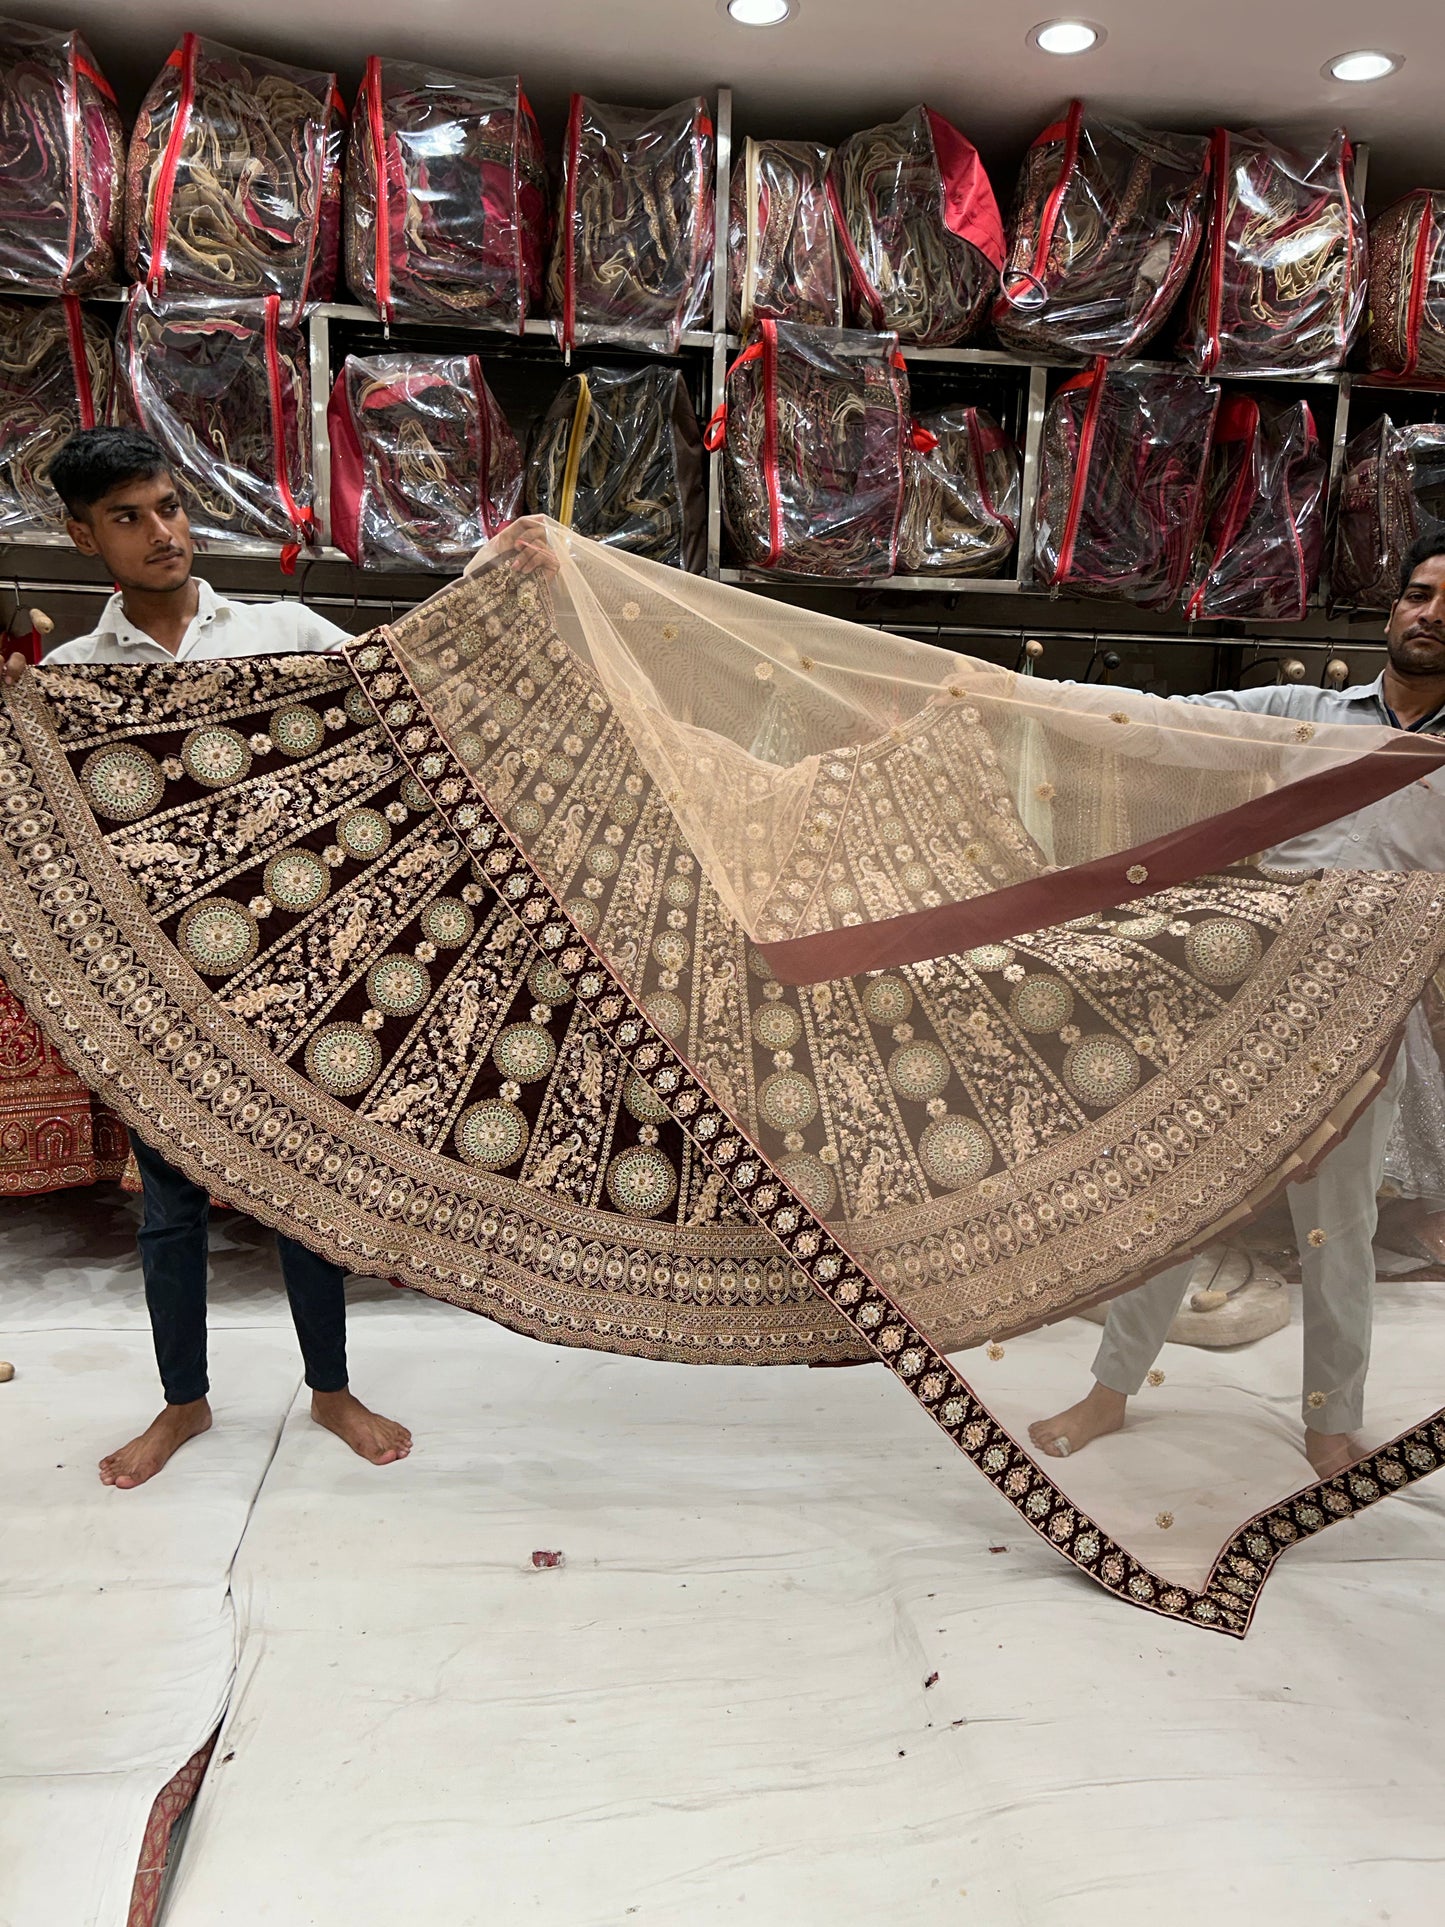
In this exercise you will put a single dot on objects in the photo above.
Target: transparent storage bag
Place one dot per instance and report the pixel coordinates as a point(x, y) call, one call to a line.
point(782, 240)
point(1405, 338)
point(57, 376)
point(1105, 230)
point(618, 457)
point(634, 251)
point(226, 394)
point(962, 494)
point(1280, 286)
point(1262, 533)
point(919, 227)
point(62, 160)
point(234, 180)
point(1393, 492)
point(1121, 483)
point(446, 197)
point(424, 468)
point(814, 432)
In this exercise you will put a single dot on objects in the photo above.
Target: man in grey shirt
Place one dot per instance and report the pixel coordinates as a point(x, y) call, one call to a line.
point(124, 509)
point(1334, 1210)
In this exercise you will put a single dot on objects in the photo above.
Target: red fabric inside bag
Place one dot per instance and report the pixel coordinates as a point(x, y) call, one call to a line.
point(970, 209)
point(347, 472)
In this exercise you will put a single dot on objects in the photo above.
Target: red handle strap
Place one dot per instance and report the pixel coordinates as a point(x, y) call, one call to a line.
point(183, 57)
point(301, 519)
point(715, 433)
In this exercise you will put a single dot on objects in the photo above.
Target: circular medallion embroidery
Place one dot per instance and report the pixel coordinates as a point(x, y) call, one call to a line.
point(1041, 1004)
point(641, 1182)
point(558, 770)
point(887, 1000)
point(507, 709)
point(123, 783)
point(623, 809)
point(811, 1179)
point(492, 1134)
point(398, 985)
point(470, 749)
point(602, 860)
point(1223, 950)
point(787, 1101)
point(448, 922)
point(364, 835)
point(915, 876)
point(989, 956)
point(671, 949)
point(358, 708)
point(583, 913)
point(524, 1052)
point(547, 984)
point(297, 730)
point(296, 880)
point(679, 892)
point(643, 1102)
point(777, 1026)
point(918, 1071)
point(215, 756)
point(1101, 1070)
point(667, 1014)
point(343, 1059)
point(528, 818)
point(218, 936)
point(954, 1151)
point(414, 796)
point(1142, 927)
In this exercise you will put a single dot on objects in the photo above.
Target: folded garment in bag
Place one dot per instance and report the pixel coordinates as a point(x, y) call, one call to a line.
point(961, 504)
point(1262, 533)
point(1406, 334)
point(57, 375)
point(1108, 222)
point(424, 468)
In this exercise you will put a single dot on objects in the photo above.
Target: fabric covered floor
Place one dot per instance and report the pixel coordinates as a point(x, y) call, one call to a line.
point(716, 1709)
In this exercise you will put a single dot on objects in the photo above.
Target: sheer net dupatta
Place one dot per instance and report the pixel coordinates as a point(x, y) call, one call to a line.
point(962, 1131)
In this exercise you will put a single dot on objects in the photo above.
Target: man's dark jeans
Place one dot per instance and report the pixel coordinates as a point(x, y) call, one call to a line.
point(173, 1245)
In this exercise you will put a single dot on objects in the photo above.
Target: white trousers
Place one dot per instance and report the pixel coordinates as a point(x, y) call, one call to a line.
point(1338, 1279)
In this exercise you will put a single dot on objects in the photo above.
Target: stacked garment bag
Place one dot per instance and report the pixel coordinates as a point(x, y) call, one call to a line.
point(1121, 483)
point(618, 457)
point(446, 197)
point(1393, 492)
point(814, 434)
point(1405, 339)
point(782, 241)
point(1262, 532)
point(57, 376)
point(62, 162)
point(234, 180)
point(1280, 287)
point(226, 393)
point(919, 227)
point(424, 468)
point(1106, 228)
point(634, 251)
point(961, 510)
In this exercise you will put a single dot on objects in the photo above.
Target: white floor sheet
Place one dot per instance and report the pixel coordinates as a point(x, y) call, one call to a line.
point(715, 1710)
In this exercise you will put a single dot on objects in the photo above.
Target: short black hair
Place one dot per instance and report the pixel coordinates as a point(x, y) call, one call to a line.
point(1423, 549)
point(97, 460)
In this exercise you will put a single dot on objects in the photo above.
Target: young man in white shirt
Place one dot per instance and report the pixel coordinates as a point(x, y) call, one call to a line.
point(124, 509)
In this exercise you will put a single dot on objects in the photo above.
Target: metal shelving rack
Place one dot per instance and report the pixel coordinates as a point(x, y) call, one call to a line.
point(714, 347)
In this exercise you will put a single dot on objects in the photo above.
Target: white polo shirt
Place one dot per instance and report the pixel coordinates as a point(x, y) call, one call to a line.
point(219, 627)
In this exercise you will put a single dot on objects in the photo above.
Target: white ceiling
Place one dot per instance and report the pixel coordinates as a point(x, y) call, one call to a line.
point(844, 63)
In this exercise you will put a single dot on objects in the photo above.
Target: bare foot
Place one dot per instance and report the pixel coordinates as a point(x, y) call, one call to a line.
point(133, 1464)
point(381, 1440)
point(1092, 1418)
point(1331, 1452)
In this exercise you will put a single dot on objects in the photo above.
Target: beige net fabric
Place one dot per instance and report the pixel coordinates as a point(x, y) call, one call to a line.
point(731, 800)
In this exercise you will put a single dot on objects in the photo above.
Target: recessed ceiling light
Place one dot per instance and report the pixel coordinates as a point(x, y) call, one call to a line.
point(1363, 66)
point(1066, 36)
point(759, 13)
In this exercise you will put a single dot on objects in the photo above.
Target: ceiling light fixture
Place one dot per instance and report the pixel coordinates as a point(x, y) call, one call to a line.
point(759, 13)
point(1371, 65)
point(1066, 37)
